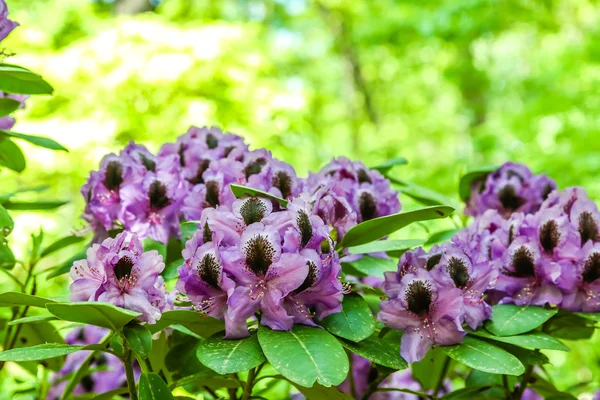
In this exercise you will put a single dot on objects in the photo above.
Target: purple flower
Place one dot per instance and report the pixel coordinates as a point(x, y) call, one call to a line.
point(111, 373)
point(117, 271)
point(346, 193)
point(6, 25)
point(8, 122)
point(426, 312)
point(511, 188)
point(581, 280)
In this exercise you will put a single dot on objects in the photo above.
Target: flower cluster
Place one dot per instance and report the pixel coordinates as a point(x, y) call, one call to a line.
point(118, 271)
point(511, 188)
point(432, 294)
point(109, 371)
point(252, 259)
point(149, 195)
point(549, 257)
point(6, 25)
point(347, 193)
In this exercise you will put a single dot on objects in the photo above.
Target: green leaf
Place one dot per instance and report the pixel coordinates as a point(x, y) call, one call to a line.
point(6, 222)
point(61, 244)
point(510, 319)
point(464, 185)
point(187, 229)
point(11, 155)
point(44, 351)
point(484, 356)
point(527, 357)
point(548, 391)
point(8, 105)
point(40, 141)
point(374, 266)
point(355, 322)
point(242, 191)
point(377, 228)
point(305, 355)
point(152, 387)
point(7, 258)
point(441, 236)
point(534, 340)
point(139, 339)
point(42, 332)
point(389, 164)
point(32, 320)
point(468, 392)
point(428, 370)
point(567, 325)
point(181, 359)
point(99, 314)
point(230, 356)
point(591, 316)
point(36, 189)
point(21, 299)
point(385, 245)
point(422, 194)
point(65, 267)
point(33, 205)
point(382, 351)
point(18, 80)
point(194, 321)
point(320, 392)
point(214, 382)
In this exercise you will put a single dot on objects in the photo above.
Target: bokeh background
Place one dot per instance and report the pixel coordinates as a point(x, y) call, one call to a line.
point(447, 84)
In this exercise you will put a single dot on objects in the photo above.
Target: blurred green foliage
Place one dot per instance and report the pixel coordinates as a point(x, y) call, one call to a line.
point(447, 84)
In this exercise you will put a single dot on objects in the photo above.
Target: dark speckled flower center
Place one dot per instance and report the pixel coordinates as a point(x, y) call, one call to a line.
point(113, 176)
point(433, 261)
point(367, 206)
point(253, 210)
point(87, 383)
point(591, 268)
point(310, 280)
point(458, 272)
point(209, 270)
point(509, 199)
point(206, 233)
point(123, 268)
point(304, 226)
point(211, 141)
point(254, 167)
point(202, 167)
point(212, 193)
point(181, 154)
point(522, 263)
point(549, 236)
point(588, 228)
point(283, 182)
point(259, 255)
point(363, 176)
point(418, 297)
point(158, 195)
point(149, 163)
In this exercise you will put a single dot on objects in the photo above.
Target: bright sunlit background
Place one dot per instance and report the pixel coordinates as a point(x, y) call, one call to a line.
point(447, 84)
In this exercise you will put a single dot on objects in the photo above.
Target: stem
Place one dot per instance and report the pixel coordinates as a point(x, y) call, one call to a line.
point(421, 395)
point(524, 381)
point(249, 384)
point(232, 394)
point(443, 373)
point(82, 370)
point(129, 372)
point(506, 387)
point(373, 385)
point(351, 379)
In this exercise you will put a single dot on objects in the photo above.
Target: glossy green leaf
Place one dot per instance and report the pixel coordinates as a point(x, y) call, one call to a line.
point(42, 332)
point(441, 236)
point(61, 244)
point(468, 392)
point(377, 228)
point(510, 319)
point(11, 155)
point(181, 359)
point(187, 229)
point(423, 195)
point(355, 322)
point(214, 382)
point(65, 267)
point(428, 370)
point(32, 320)
point(385, 245)
point(389, 164)
point(8, 105)
point(22, 299)
point(152, 387)
point(37, 189)
point(382, 351)
point(194, 321)
point(305, 355)
point(99, 314)
point(15, 79)
point(138, 338)
point(241, 191)
point(591, 316)
point(230, 356)
point(481, 355)
point(464, 185)
point(526, 356)
point(44, 351)
point(7, 258)
point(320, 392)
point(533, 340)
point(6, 222)
point(40, 141)
point(33, 205)
point(374, 266)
